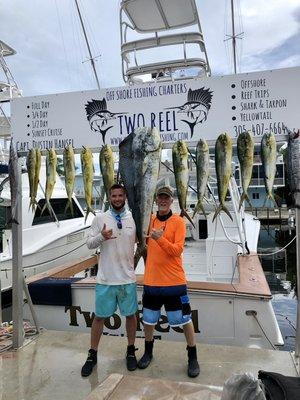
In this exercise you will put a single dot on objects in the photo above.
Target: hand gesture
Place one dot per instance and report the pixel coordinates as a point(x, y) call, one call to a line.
point(156, 233)
point(107, 233)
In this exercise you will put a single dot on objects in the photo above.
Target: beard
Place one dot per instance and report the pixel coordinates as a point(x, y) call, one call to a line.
point(118, 208)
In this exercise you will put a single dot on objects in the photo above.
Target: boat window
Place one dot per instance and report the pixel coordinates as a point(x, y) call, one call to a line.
point(59, 206)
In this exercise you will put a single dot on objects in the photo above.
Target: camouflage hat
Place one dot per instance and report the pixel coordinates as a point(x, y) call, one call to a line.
point(165, 190)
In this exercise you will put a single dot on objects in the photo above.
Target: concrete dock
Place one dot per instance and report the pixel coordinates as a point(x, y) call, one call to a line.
point(48, 367)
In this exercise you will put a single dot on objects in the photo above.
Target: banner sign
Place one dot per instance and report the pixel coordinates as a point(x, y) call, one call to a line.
point(186, 109)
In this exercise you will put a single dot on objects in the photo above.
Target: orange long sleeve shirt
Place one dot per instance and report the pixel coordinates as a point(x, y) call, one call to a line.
point(164, 257)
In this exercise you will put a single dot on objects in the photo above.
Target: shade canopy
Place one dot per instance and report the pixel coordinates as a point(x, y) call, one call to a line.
point(159, 15)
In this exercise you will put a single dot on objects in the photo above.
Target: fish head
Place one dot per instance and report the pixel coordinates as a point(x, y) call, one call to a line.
point(38, 153)
point(180, 148)
point(69, 153)
point(52, 155)
point(31, 156)
point(202, 145)
point(153, 141)
point(106, 153)
point(269, 139)
point(245, 140)
point(146, 140)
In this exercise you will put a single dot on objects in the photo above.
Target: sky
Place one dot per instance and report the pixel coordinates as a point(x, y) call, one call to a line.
point(52, 57)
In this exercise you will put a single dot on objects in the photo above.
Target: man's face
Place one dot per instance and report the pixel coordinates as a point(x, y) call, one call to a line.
point(164, 202)
point(117, 198)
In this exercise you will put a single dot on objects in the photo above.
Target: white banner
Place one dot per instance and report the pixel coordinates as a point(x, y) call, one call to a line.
point(188, 110)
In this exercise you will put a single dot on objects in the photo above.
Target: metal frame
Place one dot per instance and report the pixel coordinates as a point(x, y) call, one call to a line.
point(180, 39)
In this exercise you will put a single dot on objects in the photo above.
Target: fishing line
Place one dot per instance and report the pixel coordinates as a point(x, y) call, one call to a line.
point(64, 45)
point(56, 258)
point(170, 169)
point(288, 320)
point(275, 252)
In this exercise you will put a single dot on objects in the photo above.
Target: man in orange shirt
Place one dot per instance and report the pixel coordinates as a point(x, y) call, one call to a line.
point(165, 281)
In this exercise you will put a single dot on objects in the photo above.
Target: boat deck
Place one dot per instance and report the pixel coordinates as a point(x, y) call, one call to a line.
point(49, 366)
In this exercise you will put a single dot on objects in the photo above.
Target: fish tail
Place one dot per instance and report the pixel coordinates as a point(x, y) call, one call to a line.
point(69, 205)
point(43, 209)
point(141, 251)
point(89, 209)
point(244, 197)
point(199, 206)
point(47, 205)
point(225, 209)
point(185, 214)
point(270, 197)
point(220, 208)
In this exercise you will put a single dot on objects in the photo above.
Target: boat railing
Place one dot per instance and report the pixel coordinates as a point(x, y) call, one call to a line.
point(165, 17)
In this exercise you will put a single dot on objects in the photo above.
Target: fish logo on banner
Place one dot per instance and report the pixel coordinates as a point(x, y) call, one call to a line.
point(99, 117)
point(196, 108)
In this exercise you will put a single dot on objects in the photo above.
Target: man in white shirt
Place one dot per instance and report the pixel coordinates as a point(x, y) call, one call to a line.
point(114, 232)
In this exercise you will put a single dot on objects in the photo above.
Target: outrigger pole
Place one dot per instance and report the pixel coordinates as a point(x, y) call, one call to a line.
point(88, 46)
point(233, 37)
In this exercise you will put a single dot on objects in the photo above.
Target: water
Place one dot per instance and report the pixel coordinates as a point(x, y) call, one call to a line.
point(280, 272)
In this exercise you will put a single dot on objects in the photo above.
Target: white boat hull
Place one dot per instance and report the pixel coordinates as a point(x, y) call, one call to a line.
point(218, 319)
point(66, 248)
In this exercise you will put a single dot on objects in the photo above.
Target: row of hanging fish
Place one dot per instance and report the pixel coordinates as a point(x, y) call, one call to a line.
point(139, 164)
point(223, 167)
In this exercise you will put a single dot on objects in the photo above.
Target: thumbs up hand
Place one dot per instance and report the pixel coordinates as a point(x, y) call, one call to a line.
point(107, 233)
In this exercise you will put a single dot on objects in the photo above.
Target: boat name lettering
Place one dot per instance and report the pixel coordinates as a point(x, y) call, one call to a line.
point(164, 121)
point(115, 322)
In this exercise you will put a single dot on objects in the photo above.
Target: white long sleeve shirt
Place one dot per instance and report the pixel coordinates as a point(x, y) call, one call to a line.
point(116, 261)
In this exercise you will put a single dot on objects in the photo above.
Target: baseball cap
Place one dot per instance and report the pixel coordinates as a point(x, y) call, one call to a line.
point(165, 190)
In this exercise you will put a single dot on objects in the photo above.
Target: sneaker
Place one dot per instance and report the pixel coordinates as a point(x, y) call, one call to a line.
point(131, 361)
point(88, 366)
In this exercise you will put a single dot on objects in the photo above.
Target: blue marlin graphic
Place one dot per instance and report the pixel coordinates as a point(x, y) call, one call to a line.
point(99, 116)
point(196, 108)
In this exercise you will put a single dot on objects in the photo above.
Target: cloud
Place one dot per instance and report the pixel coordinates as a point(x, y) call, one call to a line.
point(51, 52)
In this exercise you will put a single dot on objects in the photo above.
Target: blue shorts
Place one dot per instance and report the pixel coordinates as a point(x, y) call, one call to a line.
point(109, 297)
point(173, 298)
